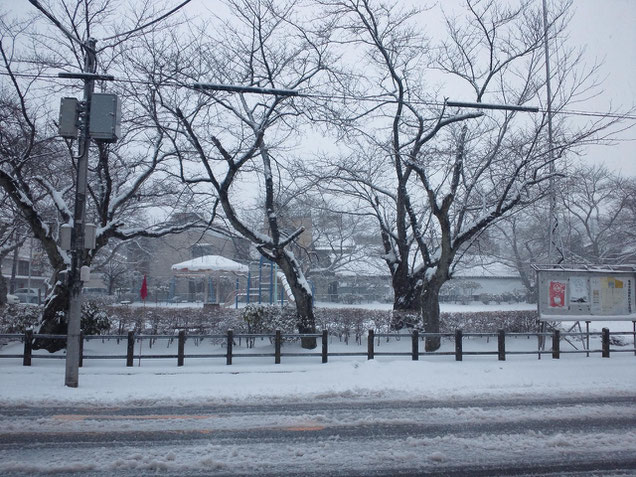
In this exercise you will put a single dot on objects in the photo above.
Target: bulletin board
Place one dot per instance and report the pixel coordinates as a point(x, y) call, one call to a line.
point(586, 292)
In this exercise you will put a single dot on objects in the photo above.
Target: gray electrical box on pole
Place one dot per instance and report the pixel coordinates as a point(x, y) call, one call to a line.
point(105, 117)
point(69, 113)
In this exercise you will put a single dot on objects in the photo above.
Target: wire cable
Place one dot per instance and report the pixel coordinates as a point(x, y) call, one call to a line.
point(338, 97)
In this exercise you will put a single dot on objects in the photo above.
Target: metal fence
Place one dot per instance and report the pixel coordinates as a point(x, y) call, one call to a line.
point(229, 339)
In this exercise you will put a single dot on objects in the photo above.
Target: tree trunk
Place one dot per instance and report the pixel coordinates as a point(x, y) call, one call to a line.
point(53, 320)
point(3, 289)
point(302, 295)
point(430, 313)
point(406, 303)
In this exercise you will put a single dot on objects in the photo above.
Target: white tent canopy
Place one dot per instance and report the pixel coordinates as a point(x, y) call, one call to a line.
point(208, 264)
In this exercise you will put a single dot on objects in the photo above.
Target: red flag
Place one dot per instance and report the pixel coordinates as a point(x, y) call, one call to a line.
point(144, 289)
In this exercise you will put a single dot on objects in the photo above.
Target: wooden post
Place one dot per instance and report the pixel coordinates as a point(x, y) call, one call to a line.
point(606, 343)
point(458, 345)
point(181, 348)
point(230, 339)
point(131, 349)
point(556, 344)
point(415, 347)
point(28, 348)
point(587, 340)
point(325, 344)
point(370, 350)
point(81, 349)
point(277, 340)
point(634, 325)
point(501, 344)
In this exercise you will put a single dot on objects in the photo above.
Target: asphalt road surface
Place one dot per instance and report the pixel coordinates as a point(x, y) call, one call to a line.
point(520, 437)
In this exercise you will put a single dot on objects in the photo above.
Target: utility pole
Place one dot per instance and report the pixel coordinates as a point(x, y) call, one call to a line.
point(77, 237)
point(553, 222)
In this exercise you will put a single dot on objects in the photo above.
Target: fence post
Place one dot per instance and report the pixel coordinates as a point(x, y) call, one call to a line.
point(325, 344)
point(81, 349)
point(28, 348)
point(415, 351)
point(501, 344)
point(181, 348)
point(277, 341)
point(556, 344)
point(130, 352)
point(458, 345)
point(606, 343)
point(230, 339)
point(370, 350)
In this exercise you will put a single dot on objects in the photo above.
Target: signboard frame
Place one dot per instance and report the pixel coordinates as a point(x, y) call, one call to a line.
point(586, 292)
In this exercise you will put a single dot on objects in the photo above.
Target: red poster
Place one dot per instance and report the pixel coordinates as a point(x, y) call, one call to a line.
point(556, 294)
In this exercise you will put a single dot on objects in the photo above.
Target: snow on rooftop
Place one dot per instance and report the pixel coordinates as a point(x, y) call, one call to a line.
point(209, 263)
point(366, 267)
point(478, 269)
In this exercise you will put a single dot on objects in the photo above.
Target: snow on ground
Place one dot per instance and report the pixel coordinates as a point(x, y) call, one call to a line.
point(301, 378)
point(253, 379)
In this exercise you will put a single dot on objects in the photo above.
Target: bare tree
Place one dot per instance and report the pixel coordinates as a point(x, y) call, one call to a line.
point(595, 204)
point(232, 142)
point(387, 136)
point(455, 173)
point(595, 224)
point(37, 169)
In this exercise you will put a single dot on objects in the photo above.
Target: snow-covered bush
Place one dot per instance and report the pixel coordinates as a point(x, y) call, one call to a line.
point(344, 323)
point(269, 318)
point(515, 321)
point(95, 320)
point(18, 318)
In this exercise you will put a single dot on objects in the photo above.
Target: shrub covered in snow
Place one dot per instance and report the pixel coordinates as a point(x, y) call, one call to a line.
point(95, 320)
point(517, 321)
point(18, 318)
point(344, 323)
point(269, 318)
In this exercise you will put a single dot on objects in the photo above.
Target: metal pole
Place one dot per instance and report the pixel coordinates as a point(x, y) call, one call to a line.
point(249, 285)
point(271, 283)
point(552, 222)
point(236, 294)
point(260, 280)
point(77, 236)
point(275, 281)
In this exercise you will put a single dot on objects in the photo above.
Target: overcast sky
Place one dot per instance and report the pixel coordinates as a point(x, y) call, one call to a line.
point(607, 28)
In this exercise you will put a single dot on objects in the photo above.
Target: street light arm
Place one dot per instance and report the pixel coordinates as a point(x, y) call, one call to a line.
point(504, 107)
point(244, 89)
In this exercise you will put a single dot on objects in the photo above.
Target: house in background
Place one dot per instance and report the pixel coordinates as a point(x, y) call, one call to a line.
point(27, 267)
point(479, 278)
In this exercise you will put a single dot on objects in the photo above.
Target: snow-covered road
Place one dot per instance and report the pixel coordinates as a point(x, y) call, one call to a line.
point(348, 437)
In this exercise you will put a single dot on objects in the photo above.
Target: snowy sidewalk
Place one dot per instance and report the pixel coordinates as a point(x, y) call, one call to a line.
point(250, 381)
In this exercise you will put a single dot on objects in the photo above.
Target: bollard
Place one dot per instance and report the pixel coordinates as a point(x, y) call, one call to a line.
point(415, 346)
point(556, 344)
point(230, 339)
point(606, 343)
point(28, 348)
point(181, 348)
point(277, 341)
point(131, 349)
point(81, 349)
point(325, 344)
point(370, 344)
point(458, 345)
point(501, 344)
